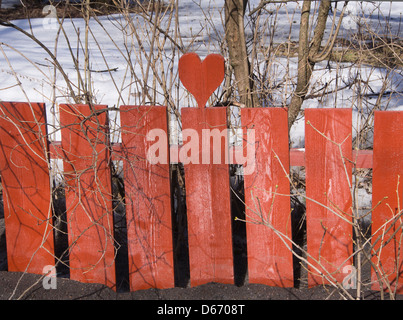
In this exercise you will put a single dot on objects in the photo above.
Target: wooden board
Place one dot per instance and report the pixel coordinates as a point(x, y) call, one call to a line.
point(25, 180)
point(387, 195)
point(207, 198)
point(86, 161)
point(269, 258)
point(147, 196)
point(328, 204)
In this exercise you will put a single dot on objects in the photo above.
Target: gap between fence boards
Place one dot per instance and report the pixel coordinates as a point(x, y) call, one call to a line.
point(362, 158)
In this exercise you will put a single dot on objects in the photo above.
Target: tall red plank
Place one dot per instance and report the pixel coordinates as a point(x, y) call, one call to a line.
point(86, 161)
point(25, 179)
point(387, 187)
point(269, 259)
point(207, 195)
point(206, 173)
point(328, 204)
point(147, 196)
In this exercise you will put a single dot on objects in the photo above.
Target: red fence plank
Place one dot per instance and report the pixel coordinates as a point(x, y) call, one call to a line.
point(86, 161)
point(148, 201)
point(26, 186)
point(207, 198)
point(329, 237)
point(387, 187)
point(267, 213)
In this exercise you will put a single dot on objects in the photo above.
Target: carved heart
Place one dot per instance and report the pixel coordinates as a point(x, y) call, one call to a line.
point(201, 79)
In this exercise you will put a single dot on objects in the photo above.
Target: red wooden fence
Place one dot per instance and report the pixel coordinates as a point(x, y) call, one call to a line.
point(87, 154)
point(86, 157)
point(208, 205)
point(328, 153)
point(148, 201)
point(387, 192)
point(26, 186)
point(269, 258)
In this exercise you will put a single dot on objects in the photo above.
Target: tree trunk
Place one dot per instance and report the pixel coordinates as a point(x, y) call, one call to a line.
point(307, 55)
point(238, 56)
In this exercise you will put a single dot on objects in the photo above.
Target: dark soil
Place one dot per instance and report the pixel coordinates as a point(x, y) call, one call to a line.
point(15, 285)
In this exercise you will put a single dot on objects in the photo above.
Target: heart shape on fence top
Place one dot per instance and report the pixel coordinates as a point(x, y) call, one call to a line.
point(201, 79)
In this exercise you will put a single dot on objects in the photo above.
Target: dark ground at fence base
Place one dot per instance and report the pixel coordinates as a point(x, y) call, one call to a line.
point(69, 290)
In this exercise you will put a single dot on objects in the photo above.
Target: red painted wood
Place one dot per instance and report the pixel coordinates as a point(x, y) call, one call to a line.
point(207, 201)
point(329, 237)
point(148, 197)
point(86, 161)
point(26, 187)
point(387, 182)
point(362, 158)
point(269, 259)
point(297, 157)
point(201, 79)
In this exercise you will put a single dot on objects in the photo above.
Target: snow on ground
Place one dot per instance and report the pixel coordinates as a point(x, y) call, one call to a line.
point(22, 60)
